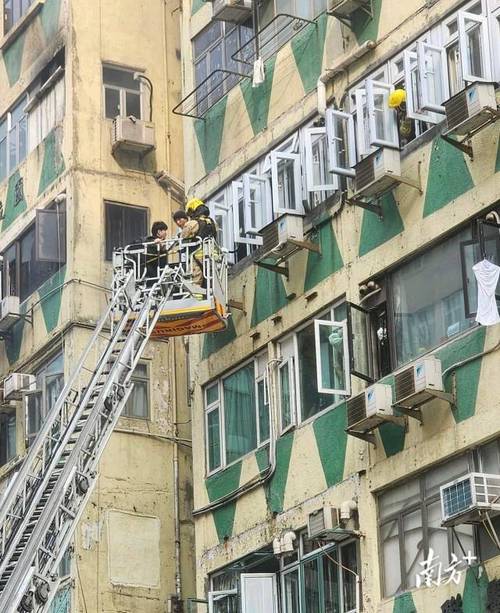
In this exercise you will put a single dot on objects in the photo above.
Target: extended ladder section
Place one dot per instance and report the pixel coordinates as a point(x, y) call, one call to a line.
point(42, 506)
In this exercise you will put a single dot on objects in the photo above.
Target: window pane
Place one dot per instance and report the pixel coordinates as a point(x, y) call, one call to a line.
point(263, 412)
point(28, 264)
point(212, 394)
point(437, 535)
point(440, 475)
point(414, 546)
point(291, 597)
point(285, 396)
point(124, 225)
point(3, 150)
point(490, 459)
point(138, 401)
point(239, 413)
point(213, 435)
point(475, 50)
point(331, 347)
point(428, 300)
point(286, 188)
point(7, 436)
point(312, 401)
point(120, 78)
point(34, 413)
point(331, 583)
point(454, 68)
point(206, 38)
point(133, 103)
point(311, 586)
point(10, 265)
point(350, 561)
point(112, 102)
point(389, 534)
point(50, 230)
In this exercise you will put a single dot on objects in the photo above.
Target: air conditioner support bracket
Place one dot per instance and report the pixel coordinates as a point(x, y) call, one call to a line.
point(364, 436)
point(282, 270)
point(410, 182)
point(373, 207)
point(8, 333)
point(305, 245)
point(415, 413)
point(237, 304)
point(369, 437)
point(491, 115)
point(366, 7)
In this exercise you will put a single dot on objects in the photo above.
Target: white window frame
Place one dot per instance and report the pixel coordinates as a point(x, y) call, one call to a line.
point(287, 352)
point(245, 577)
point(335, 140)
point(219, 208)
point(262, 376)
point(309, 134)
point(495, 39)
point(482, 21)
point(424, 49)
point(318, 323)
point(276, 157)
point(414, 107)
point(260, 215)
point(210, 408)
point(371, 85)
point(122, 91)
point(219, 595)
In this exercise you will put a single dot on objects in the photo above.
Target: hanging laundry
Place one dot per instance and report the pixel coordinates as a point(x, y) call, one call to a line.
point(486, 274)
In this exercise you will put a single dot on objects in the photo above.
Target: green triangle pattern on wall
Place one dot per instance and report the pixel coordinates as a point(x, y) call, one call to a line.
point(196, 6)
point(308, 47)
point(467, 376)
point(322, 265)
point(448, 176)
point(50, 17)
point(209, 134)
point(270, 295)
point(404, 604)
point(13, 58)
point(14, 205)
point(497, 162)
point(393, 436)
point(331, 440)
point(257, 98)
point(276, 487)
point(376, 231)
point(50, 298)
point(365, 27)
point(475, 596)
point(15, 337)
point(214, 341)
point(53, 161)
point(221, 484)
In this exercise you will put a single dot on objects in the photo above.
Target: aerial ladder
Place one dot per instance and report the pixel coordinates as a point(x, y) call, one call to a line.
point(152, 295)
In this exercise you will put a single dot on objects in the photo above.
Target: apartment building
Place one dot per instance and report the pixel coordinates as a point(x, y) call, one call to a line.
point(90, 156)
point(349, 151)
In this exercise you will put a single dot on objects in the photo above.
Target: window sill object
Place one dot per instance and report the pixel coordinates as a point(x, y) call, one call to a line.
point(21, 25)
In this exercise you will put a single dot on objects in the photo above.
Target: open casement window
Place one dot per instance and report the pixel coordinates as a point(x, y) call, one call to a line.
point(414, 81)
point(286, 384)
point(431, 78)
point(361, 350)
point(213, 429)
point(217, 599)
point(242, 234)
point(486, 246)
point(255, 204)
point(285, 182)
point(221, 215)
point(474, 46)
point(332, 357)
point(317, 175)
point(341, 142)
point(259, 593)
point(50, 235)
point(262, 396)
point(382, 120)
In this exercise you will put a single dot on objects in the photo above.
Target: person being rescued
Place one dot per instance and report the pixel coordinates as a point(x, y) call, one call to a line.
point(195, 222)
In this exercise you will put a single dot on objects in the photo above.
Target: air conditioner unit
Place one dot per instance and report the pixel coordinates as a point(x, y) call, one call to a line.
point(345, 8)
point(466, 499)
point(415, 384)
point(470, 108)
point(277, 234)
point(235, 11)
point(9, 312)
point(16, 383)
point(325, 525)
point(367, 410)
point(132, 134)
point(375, 173)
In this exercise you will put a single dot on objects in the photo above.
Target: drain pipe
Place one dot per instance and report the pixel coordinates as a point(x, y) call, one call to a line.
point(342, 66)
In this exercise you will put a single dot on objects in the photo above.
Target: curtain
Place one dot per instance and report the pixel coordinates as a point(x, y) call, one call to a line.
point(239, 412)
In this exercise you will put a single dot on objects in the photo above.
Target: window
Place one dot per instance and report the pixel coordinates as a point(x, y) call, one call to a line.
point(7, 434)
point(38, 403)
point(38, 254)
point(13, 132)
point(308, 9)
point(237, 414)
point(212, 50)
point(138, 401)
point(341, 142)
point(320, 183)
point(46, 108)
point(124, 225)
point(13, 10)
point(122, 93)
point(313, 579)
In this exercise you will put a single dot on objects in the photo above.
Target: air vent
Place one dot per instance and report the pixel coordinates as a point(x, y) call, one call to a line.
point(269, 237)
point(356, 410)
point(365, 173)
point(404, 384)
point(456, 109)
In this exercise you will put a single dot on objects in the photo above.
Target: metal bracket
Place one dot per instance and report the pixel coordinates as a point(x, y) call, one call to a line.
point(361, 6)
point(282, 270)
point(305, 245)
point(238, 305)
point(491, 117)
point(364, 436)
point(410, 182)
point(415, 413)
point(374, 207)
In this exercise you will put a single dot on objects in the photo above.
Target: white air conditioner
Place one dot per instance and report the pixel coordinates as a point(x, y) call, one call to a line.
point(16, 383)
point(470, 108)
point(466, 499)
point(133, 134)
point(415, 385)
point(9, 312)
point(235, 11)
point(345, 8)
point(276, 236)
point(367, 410)
point(375, 173)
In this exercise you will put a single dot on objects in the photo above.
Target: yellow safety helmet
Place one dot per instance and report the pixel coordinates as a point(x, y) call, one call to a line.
point(396, 98)
point(192, 205)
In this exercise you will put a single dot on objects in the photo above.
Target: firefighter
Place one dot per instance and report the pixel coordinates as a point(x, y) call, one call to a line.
point(406, 126)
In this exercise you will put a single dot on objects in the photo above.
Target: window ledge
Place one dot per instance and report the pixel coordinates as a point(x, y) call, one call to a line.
point(21, 25)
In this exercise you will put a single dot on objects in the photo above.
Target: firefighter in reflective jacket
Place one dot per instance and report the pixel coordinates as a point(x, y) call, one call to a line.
point(195, 222)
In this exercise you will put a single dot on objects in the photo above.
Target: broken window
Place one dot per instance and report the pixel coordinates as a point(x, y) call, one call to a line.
point(124, 225)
